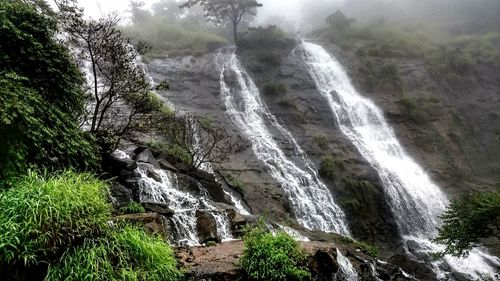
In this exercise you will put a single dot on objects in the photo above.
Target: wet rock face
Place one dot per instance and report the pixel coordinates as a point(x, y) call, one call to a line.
point(206, 227)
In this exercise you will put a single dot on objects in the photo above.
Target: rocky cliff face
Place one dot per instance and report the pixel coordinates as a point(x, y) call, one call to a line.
point(457, 141)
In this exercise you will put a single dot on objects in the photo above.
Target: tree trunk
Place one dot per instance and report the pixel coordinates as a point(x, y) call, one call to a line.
point(235, 33)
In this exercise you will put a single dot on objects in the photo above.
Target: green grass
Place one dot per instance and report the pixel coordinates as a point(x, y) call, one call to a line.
point(41, 215)
point(329, 167)
point(236, 184)
point(321, 142)
point(272, 257)
point(174, 38)
point(421, 110)
point(132, 208)
point(127, 254)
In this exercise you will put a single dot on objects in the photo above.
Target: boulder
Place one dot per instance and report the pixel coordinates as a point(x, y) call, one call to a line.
point(154, 222)
point(159, 208)
point(146, 156)
point(119, 165)
point(120, 195)
point(164, 164)
point(206, 227)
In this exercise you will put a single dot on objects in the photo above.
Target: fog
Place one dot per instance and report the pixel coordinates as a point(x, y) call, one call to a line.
point(306, 15)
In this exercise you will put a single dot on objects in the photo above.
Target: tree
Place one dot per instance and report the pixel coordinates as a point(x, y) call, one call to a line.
point(339, 21)
point(473, 220)
point(40, 93)
point(222, 11)
point(199, 139)
point(139, 14)
point(119, 92)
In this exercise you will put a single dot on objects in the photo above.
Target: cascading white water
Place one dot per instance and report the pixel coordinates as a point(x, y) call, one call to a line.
point(416, 202)
point(313, 204)
point(346, 270)
point(164, 188)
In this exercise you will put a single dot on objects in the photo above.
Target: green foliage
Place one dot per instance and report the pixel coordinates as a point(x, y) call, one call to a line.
point(339, 21)
point(174, 38)
point(28, 36)
point(127, 254)
point(132, 208)
point(379, 76)
point(34, 132)
point(321, 142)
point(274, 89)
point(179, 152)
point(236, 184)
point(366, 248)
point(421, 110)
point(358, 195)
point(329, 167)
point(468, 220)
point(271, 37)
point(38, 104)
point(211, 244)
point(272, 258)
point(42, 215)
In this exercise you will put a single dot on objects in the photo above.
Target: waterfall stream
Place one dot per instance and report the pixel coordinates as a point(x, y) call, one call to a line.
point(162, 186)
point(416, 202)
point(346, 270)
point(312, 202)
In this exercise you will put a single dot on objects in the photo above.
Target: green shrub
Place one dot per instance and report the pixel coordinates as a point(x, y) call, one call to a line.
point(274, 89)
point(421, 110)
point(236, 184)
point(179, 153)
point(321, 141)
point(41, 215)
point(329, 166)
point(271, 37)
point(132, 208)
point(272, 258)
point(127, 254)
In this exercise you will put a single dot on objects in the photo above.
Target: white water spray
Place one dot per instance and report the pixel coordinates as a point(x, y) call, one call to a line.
point(313, 204)
point(346, 270)
point(416, 202)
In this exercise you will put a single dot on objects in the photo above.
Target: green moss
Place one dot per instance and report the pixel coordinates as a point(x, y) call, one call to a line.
point(421, 110)
point(274, 89)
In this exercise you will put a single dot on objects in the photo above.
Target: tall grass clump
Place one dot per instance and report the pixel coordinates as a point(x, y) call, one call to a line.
point(41, 215)
point(272, 257)
point(127, 254)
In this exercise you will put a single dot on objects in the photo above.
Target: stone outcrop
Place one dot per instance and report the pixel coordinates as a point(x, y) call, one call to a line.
point(221, 263)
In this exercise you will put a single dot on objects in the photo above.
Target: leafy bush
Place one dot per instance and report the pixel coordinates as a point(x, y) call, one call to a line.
point(272, 258)
point(127, 254)
point(468, 221)
point(236, 184)
point(329, 166)
point(37, 104)
point(41, 215)
point(271, 37)
point(358, 195)
point(274, 89)
point(132, 208)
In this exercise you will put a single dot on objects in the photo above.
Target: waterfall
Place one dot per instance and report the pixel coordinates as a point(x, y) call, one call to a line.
point(346, 270)
point(313, 204)
point(416, 202)
point(161, 186)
